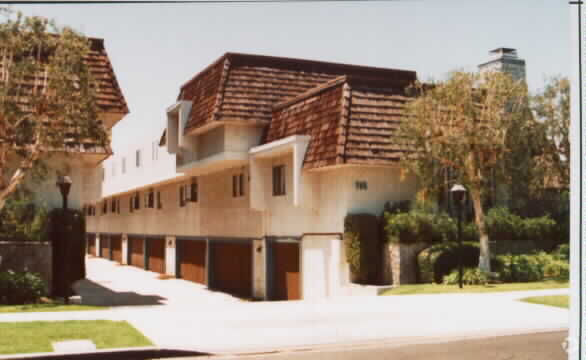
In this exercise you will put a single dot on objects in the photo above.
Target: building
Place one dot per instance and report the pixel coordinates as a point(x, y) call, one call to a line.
point(80, 161)
point(505, 60)
point(247, 189)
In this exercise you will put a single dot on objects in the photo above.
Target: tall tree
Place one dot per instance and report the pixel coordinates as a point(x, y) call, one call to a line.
point(47, 96)
point(552, 108)
point(463, 124)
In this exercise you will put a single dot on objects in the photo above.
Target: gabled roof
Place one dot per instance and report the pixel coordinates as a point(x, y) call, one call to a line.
point(243, 87)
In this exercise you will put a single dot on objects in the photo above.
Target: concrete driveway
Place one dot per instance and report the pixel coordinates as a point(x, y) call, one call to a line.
point(179, 314)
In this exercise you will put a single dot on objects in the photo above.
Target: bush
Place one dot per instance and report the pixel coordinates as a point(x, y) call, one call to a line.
point(524, 268)
point(22, 220)
point(418, 226)
point(440, 259)
point(21, 288)
point(362, 246)
point(557, 269)
point(501, 224)
point(470, 276)
point(562, 252)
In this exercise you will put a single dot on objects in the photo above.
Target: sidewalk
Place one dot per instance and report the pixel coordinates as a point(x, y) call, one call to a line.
point(187, 316)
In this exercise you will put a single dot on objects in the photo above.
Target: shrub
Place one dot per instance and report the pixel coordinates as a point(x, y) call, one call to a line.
point(501, 224)
point(21, 288)
point(440, 259)
point(527, 267)
point(362, 245)
point(418, 226)
point(470, 276)
point(562, 252)
point(557, 269)
point(22, 220)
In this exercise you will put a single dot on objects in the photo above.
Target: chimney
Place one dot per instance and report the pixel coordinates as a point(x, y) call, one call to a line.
point(505, 60)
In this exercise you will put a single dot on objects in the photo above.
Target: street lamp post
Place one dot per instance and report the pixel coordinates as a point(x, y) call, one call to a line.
point(64, 185)
point(459, 192)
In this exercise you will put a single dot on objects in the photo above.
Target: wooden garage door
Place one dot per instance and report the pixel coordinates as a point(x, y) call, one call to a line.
point(157, 255)
point(105, 246)
point(232, 268)
point(193, 261)
point(116, 246)
point(136, 251)
point(91, 244)
point(286, 281)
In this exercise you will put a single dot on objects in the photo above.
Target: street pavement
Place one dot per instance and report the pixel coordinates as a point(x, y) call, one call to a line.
point(182, 315)
point(535, 346)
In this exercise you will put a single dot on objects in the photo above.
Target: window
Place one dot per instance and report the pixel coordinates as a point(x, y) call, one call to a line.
point(105, 207)
point(118, 206)
point(193, 190)
point(182, 196)
point(124, 165)
point(137, 201)
point(361, 185)
point(279, 180)
point(151, 199)
point(238, 185)
point(137, 158)
point(113, 206)
point(131, 203)
point(159, 203)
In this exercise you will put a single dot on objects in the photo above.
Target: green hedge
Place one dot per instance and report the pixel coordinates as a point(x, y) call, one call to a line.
point(441, 259)
point(418, 226)
point(17, 288)
point(363, 247)
point(532, 267)
point(470, 276)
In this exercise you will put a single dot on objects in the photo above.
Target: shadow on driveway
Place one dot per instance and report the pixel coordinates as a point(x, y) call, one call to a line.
point(92, 293)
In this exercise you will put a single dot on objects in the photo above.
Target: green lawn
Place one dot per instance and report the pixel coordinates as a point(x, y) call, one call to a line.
point(47, 308)
point(452, 289)
point(562, 301)
point(37, 336)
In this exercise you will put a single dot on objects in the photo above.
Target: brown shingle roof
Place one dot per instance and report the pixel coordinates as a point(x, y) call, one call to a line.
point(110, 98)
point(243, 87)
point(350, 121)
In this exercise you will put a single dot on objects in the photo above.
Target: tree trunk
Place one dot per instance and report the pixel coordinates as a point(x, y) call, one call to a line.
point(484, 260)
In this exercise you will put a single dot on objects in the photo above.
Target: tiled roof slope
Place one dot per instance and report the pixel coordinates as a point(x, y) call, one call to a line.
point(350, 121)
point(110, 98)
point(242, 87)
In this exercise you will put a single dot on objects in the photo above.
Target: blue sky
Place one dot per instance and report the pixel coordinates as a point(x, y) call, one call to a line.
point(154, 49)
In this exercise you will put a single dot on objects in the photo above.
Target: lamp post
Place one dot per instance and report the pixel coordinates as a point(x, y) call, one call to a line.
point(459, 192)
point(64, 185)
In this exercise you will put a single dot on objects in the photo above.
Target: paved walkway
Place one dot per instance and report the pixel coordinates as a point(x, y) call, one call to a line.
point(179, 314)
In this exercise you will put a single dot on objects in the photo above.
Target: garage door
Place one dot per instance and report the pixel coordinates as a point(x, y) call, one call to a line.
point(232, 268)
point(105, 246)
point(91, 244)
point(286, 280)
point(116, 247)
point(156, 255)
point(193, 261)
point(136, 251)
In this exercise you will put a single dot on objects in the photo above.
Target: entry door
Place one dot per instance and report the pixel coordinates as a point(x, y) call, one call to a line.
point(105, 246)
point(286, 281)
